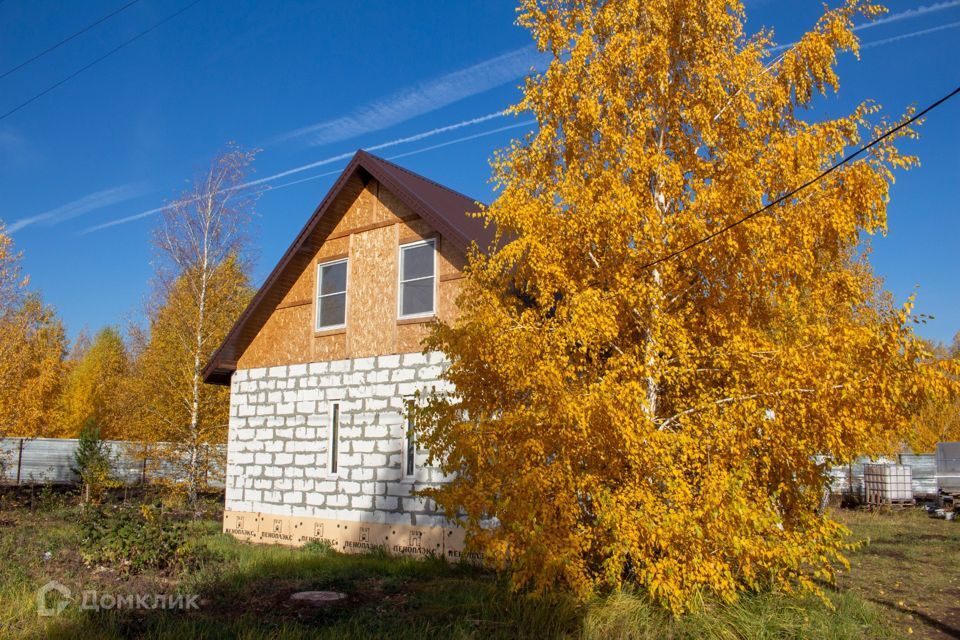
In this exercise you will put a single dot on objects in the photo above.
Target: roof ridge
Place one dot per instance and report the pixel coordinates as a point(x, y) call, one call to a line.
point(424, 178)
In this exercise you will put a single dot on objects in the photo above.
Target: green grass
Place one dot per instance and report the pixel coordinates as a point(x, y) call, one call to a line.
point(245, 589)
point(910, 569)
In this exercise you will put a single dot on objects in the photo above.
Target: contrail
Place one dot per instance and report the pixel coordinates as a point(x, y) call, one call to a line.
point(463, 139)
point(424, 97)
point(404, 155)
point(136, 216)
point(912, 34)
point(909, 13)
point(80, 206)
point(332, 159)
point(382, 145)
point(896, 17)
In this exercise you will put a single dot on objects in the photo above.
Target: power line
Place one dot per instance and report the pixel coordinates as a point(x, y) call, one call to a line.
point(790, 194)
point(67, 39)
point(98, 60)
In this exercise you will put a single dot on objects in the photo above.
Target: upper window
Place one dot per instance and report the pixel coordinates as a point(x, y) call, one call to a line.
point(332, 295)
point(418, 269)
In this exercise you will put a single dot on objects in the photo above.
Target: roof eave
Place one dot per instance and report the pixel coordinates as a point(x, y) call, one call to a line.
point(219, 372)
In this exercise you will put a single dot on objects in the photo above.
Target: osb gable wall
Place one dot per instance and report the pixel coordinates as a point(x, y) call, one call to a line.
point(368, 232)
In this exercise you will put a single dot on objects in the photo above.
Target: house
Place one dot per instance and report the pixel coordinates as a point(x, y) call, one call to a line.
point(324, 361)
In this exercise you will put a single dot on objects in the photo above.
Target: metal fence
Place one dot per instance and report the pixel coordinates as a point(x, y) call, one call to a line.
point(50, 461)
point(847, 479)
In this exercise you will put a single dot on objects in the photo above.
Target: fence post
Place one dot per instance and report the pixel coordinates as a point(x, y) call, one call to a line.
point(143, 472)
point(19, 461)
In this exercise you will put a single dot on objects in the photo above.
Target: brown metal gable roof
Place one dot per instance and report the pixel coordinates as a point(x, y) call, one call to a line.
point(446, 210)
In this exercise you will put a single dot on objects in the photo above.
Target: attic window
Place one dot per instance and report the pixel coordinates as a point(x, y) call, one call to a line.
point(418, 268)
point(332, 295)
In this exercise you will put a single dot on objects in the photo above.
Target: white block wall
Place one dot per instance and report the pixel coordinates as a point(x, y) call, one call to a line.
point(277, 446)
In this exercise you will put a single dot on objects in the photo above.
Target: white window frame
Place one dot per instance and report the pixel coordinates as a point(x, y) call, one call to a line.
point(334, 410)
point(426, 314)
point(408, 473)
point(317, 295)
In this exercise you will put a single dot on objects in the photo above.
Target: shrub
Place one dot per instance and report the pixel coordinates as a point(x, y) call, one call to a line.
point(92, 463)
point(134, 540)
point(318, 547)
point(50, 500)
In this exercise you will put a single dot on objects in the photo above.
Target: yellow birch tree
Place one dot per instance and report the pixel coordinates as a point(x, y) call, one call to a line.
point(624, 420)
point(202, 285)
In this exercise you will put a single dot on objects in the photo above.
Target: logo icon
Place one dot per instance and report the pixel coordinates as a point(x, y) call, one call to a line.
point(239, 522)
point(416, 538)
point(60, 599)
point(364, 534)
point(277, 526)
point(318, 529)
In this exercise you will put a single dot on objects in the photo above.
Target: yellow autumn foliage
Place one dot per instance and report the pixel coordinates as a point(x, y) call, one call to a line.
point(94, 388)
point(163, 388)
point(32, 347)
point(939, 418)
point(617, 422)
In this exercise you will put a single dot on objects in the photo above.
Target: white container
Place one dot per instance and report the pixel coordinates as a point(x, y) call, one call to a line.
point(887, 483)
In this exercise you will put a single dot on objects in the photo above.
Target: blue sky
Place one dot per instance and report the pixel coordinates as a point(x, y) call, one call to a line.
point(310, 82)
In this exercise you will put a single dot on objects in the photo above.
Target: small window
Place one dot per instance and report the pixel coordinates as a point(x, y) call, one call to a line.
point(332, 295)
point(410, 444)
point(418, 270)
point(333, 446)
